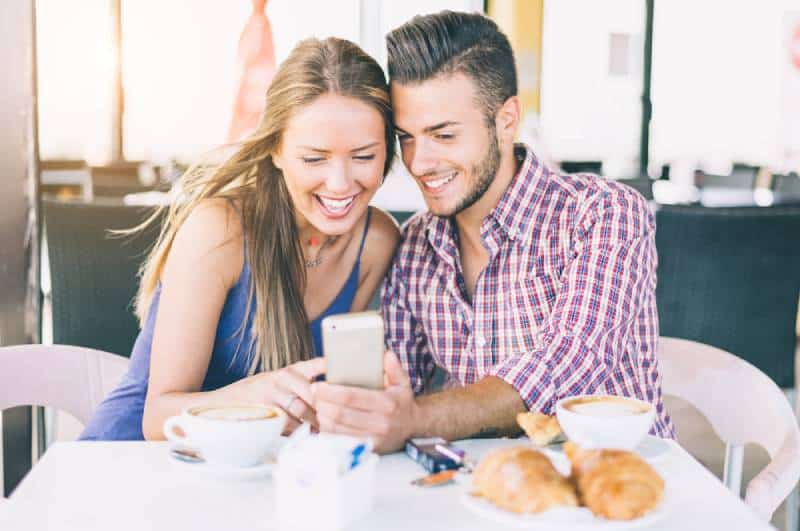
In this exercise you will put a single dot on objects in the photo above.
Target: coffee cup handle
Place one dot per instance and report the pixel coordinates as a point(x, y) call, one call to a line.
point(169, 430)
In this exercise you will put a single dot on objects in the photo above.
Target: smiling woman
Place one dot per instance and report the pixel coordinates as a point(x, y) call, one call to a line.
point(233, 292)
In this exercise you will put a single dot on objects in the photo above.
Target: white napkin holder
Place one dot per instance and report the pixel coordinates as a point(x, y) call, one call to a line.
point(315, 487)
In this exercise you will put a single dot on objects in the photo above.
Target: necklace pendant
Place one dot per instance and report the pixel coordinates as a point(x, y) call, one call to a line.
point(313, 263)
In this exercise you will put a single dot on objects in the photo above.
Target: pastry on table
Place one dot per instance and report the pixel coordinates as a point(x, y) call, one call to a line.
point(522, 480)
point(614, 484)
point(541, 429)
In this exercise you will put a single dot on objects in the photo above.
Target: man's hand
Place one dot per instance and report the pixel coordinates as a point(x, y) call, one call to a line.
point(388, 417)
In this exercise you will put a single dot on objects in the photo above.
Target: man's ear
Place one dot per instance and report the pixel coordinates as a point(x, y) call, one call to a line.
point(507, 119)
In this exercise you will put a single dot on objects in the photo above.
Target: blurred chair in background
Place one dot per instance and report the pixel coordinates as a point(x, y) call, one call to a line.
point(742, 176)
point(743, 406)
point(582, 166)
point(788, 185)
point(93, 274)
point(67, 378)
point(730, 278)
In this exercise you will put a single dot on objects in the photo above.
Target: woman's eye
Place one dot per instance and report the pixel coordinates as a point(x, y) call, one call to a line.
point(311, 160)
point(365, 157)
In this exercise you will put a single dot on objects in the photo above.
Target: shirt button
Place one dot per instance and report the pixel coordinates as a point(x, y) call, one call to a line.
point(480, 341)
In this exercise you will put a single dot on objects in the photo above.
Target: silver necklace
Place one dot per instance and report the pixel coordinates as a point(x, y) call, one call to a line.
point(318, 260)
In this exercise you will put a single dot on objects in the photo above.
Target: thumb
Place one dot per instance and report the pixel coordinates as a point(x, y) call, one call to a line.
point(395, 374)
point(310, 369)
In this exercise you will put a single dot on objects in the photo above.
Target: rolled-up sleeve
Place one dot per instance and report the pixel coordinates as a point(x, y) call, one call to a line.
point(611, 270)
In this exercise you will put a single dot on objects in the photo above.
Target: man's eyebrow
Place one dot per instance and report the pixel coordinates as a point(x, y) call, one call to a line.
point(430, 128)
point(434, 128)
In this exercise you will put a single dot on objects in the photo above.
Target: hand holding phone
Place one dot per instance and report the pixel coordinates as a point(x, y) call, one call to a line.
point(354, 349)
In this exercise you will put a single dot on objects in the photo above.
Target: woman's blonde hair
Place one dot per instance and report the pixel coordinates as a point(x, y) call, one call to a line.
point(249, 178)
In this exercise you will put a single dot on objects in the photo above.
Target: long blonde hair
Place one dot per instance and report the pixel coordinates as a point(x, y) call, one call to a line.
point(280, 333)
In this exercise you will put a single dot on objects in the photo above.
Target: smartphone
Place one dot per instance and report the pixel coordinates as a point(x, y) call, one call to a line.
point(353, 348)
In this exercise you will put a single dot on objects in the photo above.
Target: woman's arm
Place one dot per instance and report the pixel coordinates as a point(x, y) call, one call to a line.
point(205, 261)
point(381, 242)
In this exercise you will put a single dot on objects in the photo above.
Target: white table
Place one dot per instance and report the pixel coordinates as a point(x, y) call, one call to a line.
point(135, 486)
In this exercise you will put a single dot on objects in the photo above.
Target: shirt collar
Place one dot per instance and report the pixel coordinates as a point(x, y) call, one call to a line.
point(513, 213)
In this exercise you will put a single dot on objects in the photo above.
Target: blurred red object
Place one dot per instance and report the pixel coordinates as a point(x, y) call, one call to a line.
point(255, 60)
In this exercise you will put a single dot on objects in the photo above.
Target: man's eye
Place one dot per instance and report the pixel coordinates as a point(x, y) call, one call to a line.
point(445, 136)
point(403, 138)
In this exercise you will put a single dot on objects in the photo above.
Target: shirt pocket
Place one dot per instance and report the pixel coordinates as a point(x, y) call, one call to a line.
point(531, 303)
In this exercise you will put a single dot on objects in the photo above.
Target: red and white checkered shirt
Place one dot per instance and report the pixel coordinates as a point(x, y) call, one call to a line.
point(565, 306)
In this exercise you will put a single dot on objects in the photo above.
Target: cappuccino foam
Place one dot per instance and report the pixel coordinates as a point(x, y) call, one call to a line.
point(234, 413)
point(605, 406)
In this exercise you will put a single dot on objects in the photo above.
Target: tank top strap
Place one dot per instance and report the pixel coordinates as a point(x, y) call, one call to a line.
point(364, 236)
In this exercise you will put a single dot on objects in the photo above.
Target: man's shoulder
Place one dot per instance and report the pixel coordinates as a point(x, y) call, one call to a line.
point(413, 234)
point(589, 191)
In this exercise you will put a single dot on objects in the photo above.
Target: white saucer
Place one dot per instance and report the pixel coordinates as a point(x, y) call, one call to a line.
point(573, 517)
point(223, 471)
point(653, 448)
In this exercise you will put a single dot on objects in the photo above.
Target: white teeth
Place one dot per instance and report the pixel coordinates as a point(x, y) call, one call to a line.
point(336, 204)
point(438, 183)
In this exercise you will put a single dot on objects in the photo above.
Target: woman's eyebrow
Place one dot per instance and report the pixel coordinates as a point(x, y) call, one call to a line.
point(321, 150)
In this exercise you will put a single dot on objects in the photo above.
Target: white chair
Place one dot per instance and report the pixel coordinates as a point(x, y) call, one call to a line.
point(67, 378)
point(743, 406)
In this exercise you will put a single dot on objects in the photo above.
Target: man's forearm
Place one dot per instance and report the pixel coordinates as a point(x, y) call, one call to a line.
point(487, 408)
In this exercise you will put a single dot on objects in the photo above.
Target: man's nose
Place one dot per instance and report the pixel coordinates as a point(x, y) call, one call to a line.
point(420, 158)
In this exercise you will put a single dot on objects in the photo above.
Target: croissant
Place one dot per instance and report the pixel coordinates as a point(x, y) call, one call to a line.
point(522, 480)
point(615, 484)
point(541, 429)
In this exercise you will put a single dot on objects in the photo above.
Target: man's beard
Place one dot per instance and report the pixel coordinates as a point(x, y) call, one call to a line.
point(484, 173)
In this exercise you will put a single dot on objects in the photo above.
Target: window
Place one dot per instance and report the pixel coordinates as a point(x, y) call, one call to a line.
point(589, 112)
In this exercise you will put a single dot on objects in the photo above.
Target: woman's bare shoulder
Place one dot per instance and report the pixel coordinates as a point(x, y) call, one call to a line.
point(211, 237)
point(382, 238)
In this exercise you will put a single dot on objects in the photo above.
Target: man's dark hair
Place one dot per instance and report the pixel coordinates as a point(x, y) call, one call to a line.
point(449, 42)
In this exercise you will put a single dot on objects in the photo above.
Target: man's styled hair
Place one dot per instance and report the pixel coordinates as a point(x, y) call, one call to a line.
point(449, 42)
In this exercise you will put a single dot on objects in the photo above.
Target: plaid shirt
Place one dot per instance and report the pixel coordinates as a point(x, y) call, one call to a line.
point(565, 306)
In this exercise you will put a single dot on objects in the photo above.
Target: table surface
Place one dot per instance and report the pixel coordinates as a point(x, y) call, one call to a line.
point(135, 486)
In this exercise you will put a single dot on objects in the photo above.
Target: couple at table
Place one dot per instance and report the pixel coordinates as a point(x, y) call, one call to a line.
point(520, 284)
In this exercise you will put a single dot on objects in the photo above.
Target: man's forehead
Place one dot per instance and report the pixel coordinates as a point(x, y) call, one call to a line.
point(441, 99)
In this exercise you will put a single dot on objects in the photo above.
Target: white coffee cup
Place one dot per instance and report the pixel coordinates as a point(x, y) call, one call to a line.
point(605, 421)
point(232, 435)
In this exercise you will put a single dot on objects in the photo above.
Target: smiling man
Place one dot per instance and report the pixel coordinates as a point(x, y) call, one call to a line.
point(523, 285)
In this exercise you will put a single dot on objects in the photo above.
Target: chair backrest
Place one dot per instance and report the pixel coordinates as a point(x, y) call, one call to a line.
point(68, 378)
point(94, 274)
point(730, 277)
point(788, 185)
point(582, 166)
point(743, 406)
point(744, 178)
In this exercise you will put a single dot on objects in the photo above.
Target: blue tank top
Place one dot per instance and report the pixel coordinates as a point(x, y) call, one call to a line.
point(119, 416)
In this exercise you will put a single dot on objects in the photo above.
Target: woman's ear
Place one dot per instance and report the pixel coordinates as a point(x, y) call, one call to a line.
point(508, 118)
point(277, 160)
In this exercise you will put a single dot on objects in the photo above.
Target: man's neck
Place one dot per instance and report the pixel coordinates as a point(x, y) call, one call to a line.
point(469, 221)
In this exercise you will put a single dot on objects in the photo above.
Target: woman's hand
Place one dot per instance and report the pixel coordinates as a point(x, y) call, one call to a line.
point(289, 389)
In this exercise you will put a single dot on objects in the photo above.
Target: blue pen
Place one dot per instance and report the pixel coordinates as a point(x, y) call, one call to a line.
point(356, 455)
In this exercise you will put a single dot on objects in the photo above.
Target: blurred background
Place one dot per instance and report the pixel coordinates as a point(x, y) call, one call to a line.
point(694, 103)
